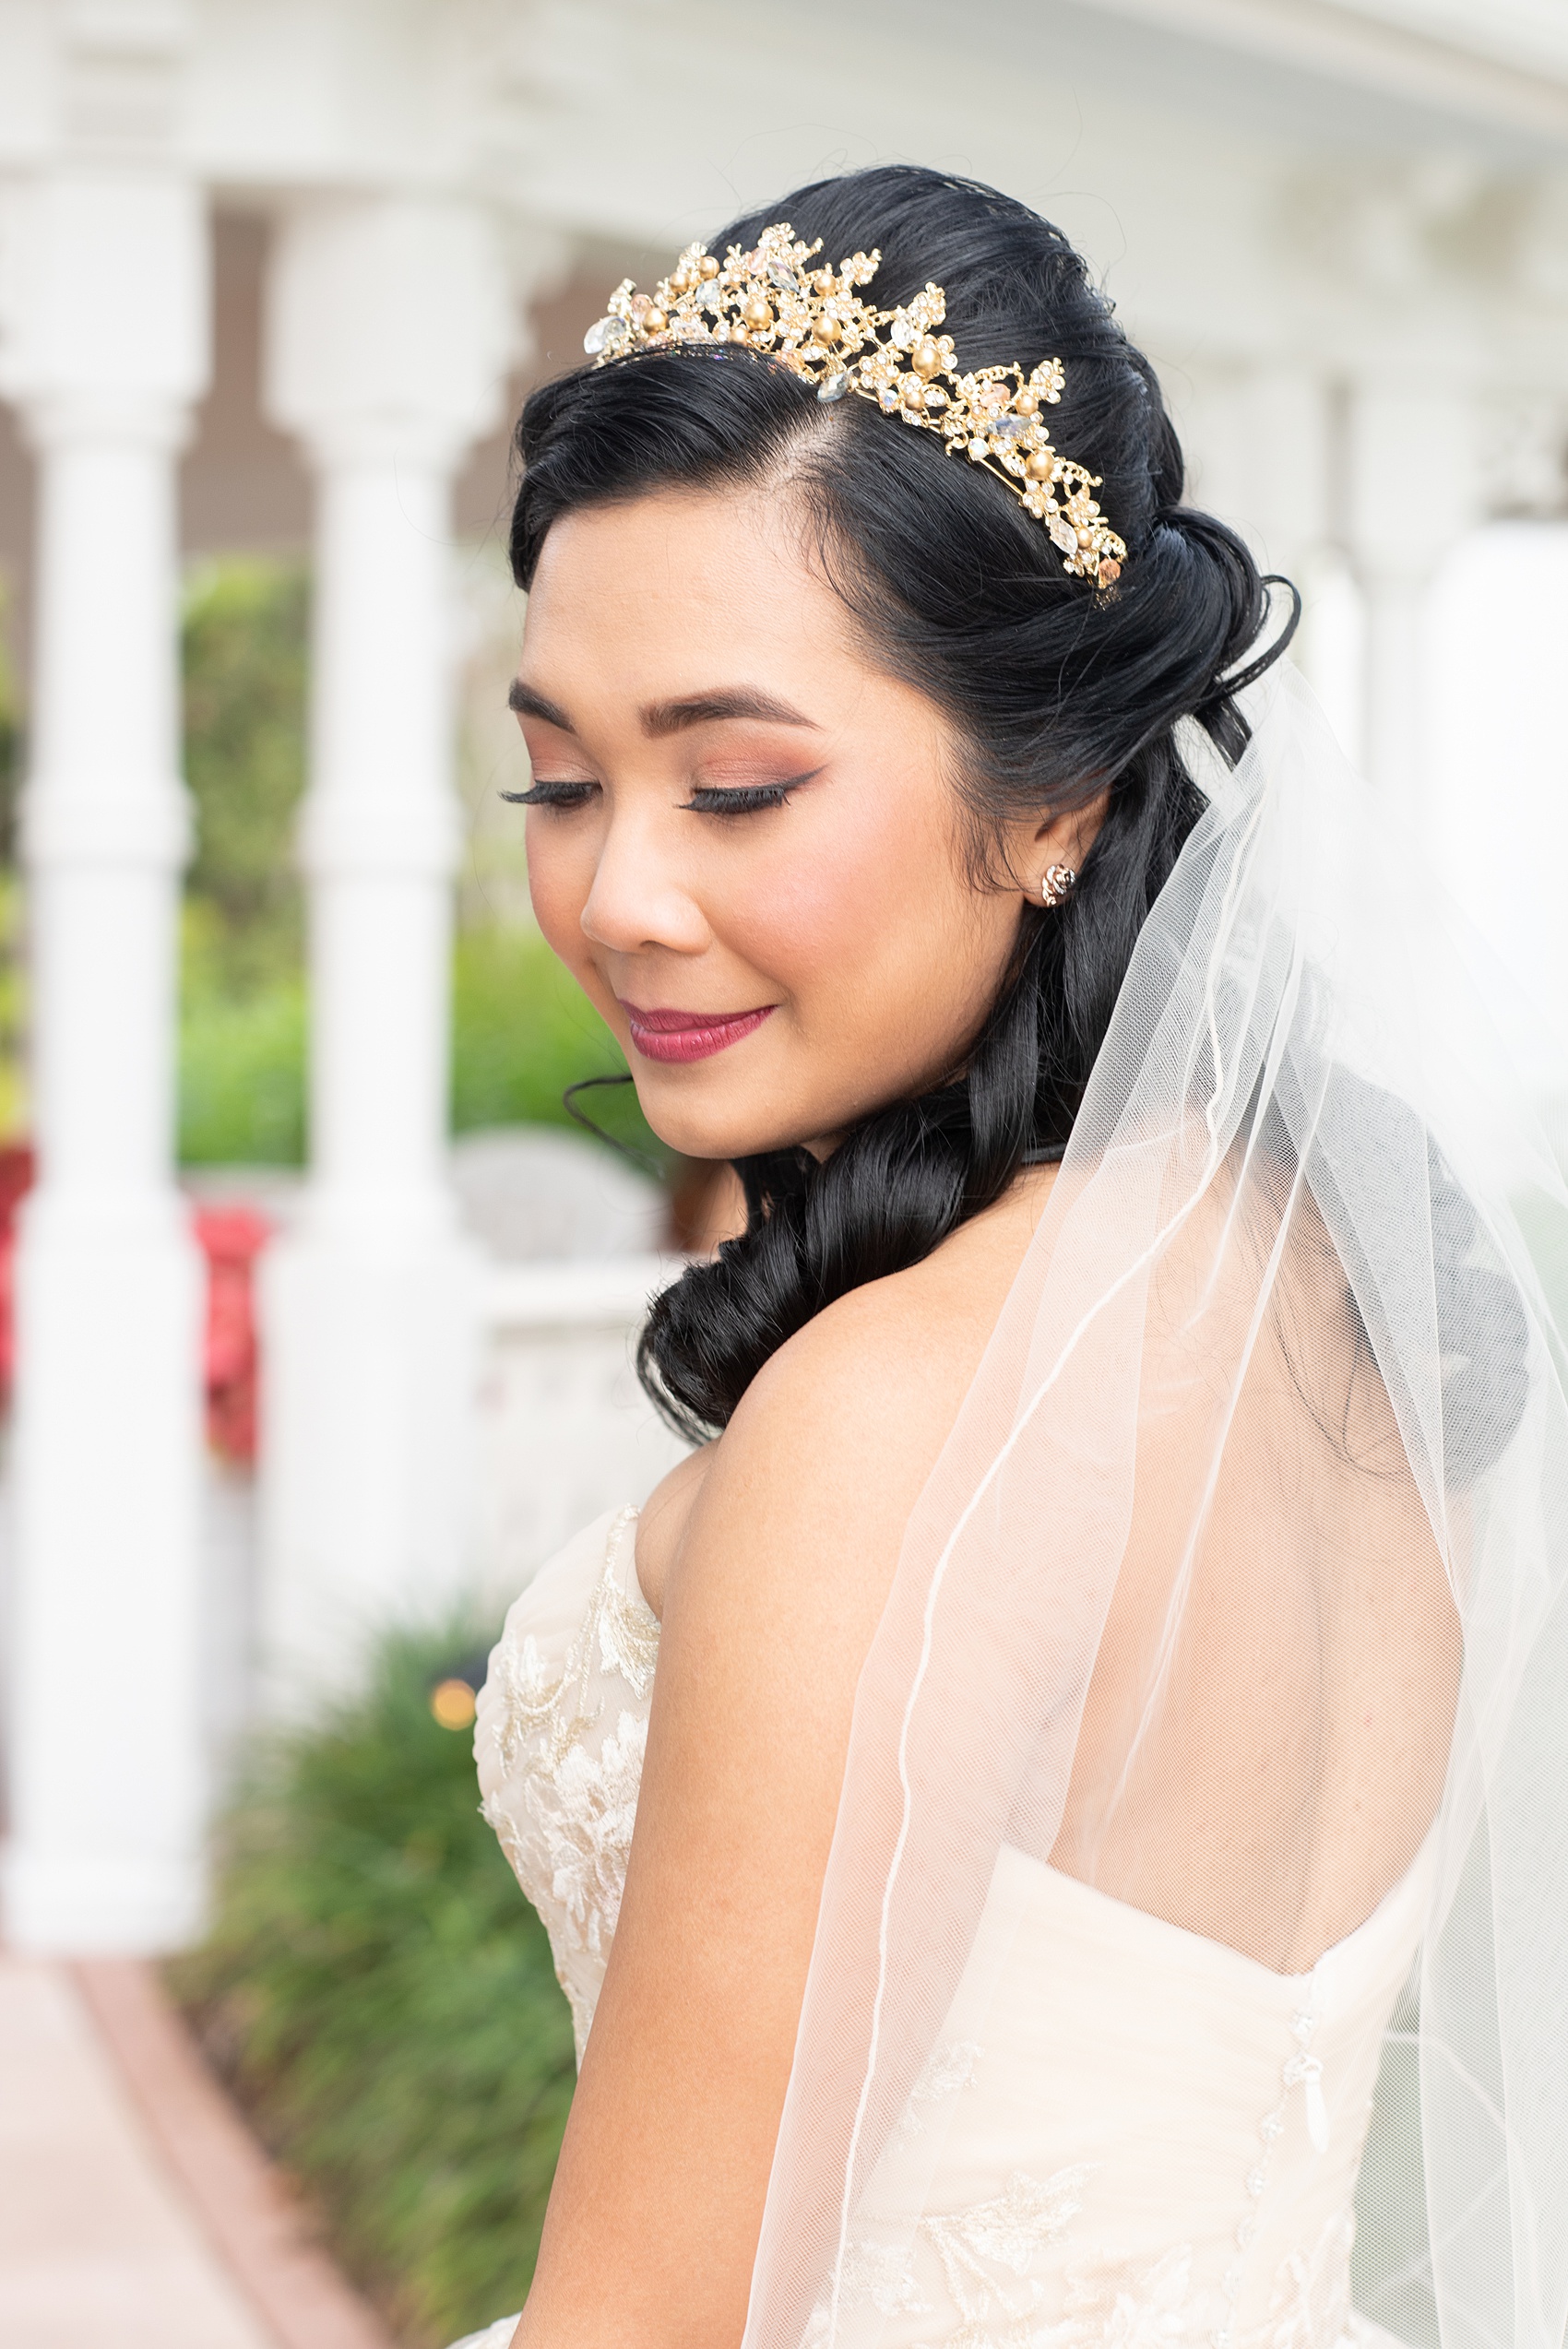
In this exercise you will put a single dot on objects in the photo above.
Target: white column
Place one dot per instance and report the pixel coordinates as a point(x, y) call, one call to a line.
point(1256, 438)
point(104, 348)
point(389, 330)
point(1260, 439)
point(1262, 444)
point(1413, 494)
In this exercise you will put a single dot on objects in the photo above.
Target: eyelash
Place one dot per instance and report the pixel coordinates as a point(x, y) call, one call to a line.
point(546, 794)
point(741, 798)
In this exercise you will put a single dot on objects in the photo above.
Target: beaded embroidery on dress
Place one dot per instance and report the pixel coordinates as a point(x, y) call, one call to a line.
point(1126, 2137)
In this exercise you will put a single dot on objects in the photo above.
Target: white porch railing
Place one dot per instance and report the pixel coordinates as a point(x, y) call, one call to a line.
point(564, 1431)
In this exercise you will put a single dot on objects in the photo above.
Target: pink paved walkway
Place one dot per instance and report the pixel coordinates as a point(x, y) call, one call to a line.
point(135, 2208)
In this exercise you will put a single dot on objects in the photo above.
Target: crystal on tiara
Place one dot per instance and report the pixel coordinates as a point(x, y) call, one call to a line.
point(812, 320)
point(606, 334)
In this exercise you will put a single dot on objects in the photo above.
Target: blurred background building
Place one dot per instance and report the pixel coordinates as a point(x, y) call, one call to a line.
point(274, 275)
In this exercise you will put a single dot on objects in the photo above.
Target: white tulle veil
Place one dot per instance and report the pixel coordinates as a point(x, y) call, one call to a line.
point(1246, 1559)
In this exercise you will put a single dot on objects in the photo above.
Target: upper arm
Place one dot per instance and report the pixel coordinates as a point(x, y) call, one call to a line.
point(770, 1607)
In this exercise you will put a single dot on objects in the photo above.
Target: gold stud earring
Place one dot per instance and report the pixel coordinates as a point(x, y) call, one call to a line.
point(1058, 884)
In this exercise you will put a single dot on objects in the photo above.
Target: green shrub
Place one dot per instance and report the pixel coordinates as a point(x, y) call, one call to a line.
point(242, 992)
point(522, 1031)
point(242, 1078)
point(13, 1113)
point(381, 1997)
point(10, 734)
point(245, 653)
point(13, 1013)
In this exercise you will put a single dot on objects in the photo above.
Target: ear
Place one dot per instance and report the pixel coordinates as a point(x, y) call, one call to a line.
point(1063, 838)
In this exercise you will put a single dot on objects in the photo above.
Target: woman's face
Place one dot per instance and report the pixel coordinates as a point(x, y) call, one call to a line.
point(742, 839)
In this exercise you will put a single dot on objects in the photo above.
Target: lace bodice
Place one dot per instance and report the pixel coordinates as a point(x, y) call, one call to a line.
point(1127, 2137)
point(563, 1722)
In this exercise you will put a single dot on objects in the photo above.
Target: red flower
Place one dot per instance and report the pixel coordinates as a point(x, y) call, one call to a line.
point(17, 1169)
point(229, 1239)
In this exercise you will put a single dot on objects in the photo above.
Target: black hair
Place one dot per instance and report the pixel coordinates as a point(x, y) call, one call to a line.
point(1054, 691)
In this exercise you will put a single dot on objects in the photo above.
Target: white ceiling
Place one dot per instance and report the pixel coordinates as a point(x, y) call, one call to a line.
point(1498, 61)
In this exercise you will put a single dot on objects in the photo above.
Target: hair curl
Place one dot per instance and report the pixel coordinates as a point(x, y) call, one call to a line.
point(1054, 692)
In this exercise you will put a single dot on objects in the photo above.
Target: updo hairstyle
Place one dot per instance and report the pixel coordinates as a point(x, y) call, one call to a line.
point(1053, 691)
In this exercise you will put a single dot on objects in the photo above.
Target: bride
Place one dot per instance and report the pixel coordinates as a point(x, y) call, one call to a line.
point(1102, 1664)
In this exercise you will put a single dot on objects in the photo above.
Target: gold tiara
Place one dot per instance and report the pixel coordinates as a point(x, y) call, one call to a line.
point(815, 323)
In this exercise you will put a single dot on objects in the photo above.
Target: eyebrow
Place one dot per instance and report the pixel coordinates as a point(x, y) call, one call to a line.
point(660, 718)
point(706, 710)
point(527, 703)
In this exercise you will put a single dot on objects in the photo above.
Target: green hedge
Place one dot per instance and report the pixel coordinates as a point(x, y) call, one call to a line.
point(381, 1998)
point(521, 1032)
point(244, 642)
point(243, 1077)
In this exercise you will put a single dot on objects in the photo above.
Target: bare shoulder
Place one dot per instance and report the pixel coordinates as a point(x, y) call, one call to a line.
point(783, 1537)
point(831, 1444)
point(662, 1523)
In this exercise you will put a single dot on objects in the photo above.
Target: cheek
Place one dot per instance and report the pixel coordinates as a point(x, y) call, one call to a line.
point(835, 916)
point(560, 877)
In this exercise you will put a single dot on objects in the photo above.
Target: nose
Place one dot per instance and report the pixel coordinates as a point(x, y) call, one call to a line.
point(638, 899)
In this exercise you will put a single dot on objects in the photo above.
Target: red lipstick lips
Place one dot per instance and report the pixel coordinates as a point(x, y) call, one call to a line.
point(690, 1036)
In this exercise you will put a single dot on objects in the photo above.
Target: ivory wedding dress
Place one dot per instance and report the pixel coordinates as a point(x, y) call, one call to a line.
point(1127, 2137)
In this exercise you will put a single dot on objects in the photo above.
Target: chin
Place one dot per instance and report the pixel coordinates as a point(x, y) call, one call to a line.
point(699, 1137)
point(712, 1128)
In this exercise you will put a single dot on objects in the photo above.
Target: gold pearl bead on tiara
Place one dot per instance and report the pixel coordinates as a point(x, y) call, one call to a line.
point(814, 322)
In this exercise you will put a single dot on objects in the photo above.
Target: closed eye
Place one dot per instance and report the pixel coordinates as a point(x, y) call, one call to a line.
point(744, 799)
point(545, 793)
